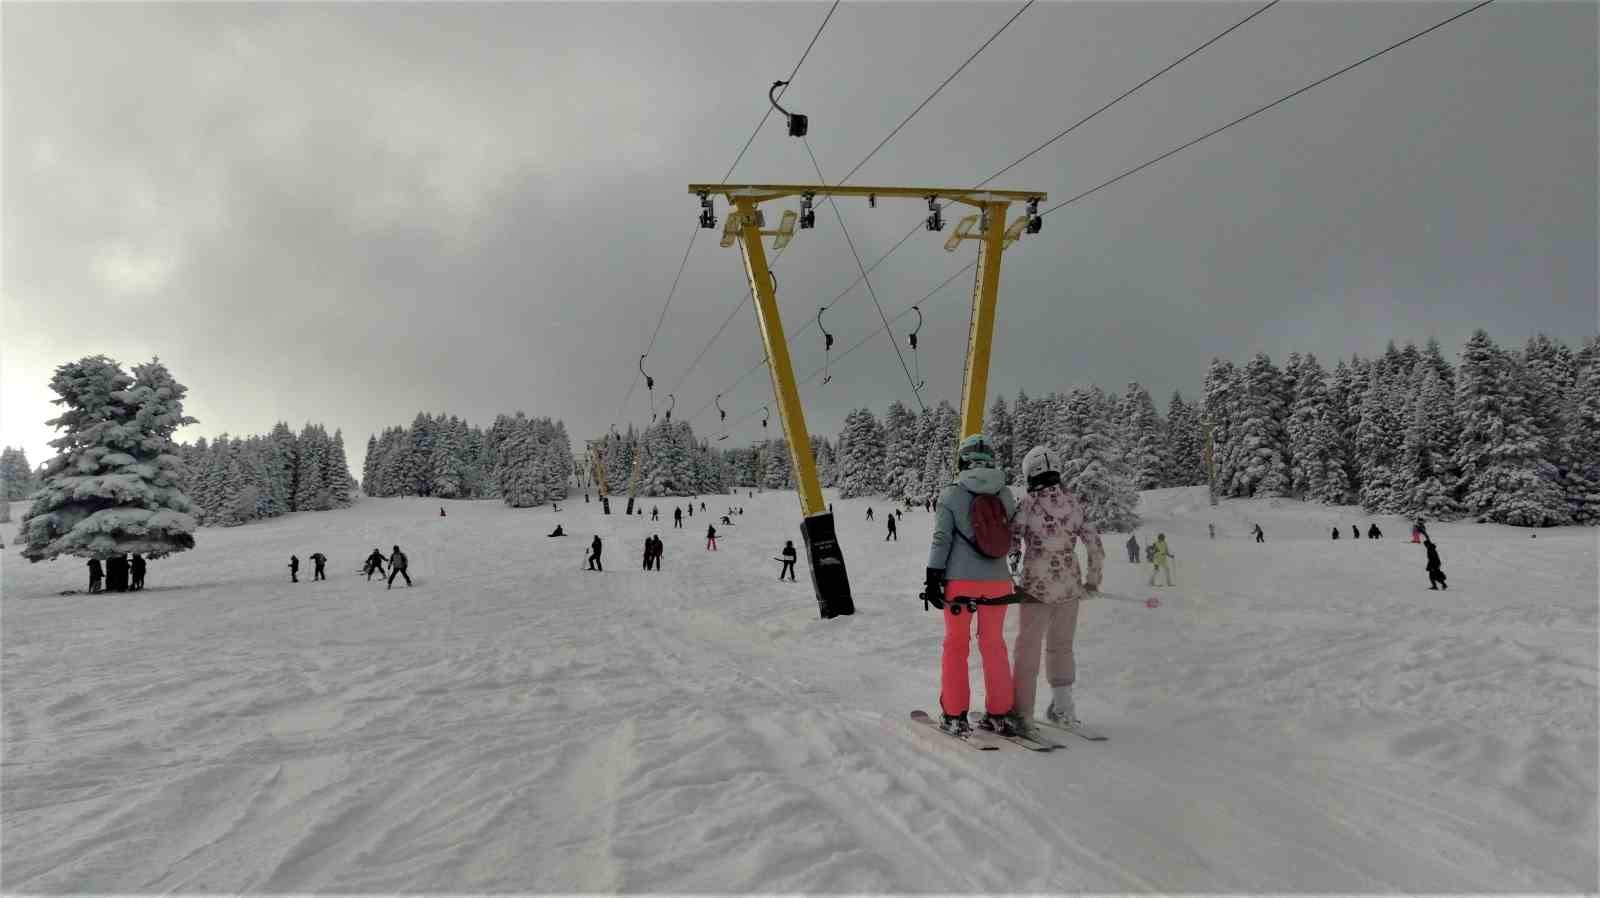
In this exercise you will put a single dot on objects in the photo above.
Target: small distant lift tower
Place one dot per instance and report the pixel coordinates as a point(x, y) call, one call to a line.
point(744, 226)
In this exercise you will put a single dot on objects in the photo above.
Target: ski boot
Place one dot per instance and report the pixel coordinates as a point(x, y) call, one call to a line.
point(956, 725)
point(1061, 711)
point(1003, 725)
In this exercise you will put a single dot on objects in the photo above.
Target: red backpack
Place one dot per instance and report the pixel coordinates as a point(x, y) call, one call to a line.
point(991, 531)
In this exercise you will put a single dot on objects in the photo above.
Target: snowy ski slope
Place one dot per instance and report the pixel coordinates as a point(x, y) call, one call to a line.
point(1295, 716)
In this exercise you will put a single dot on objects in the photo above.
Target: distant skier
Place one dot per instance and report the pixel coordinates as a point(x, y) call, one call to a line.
point(1335, 532)
point(898, 513)
point(869, 512)
point(373, 563)
point(319, 561)
point(1149, 553)
point(97, 575)
point(136, 569)
point(556, 506)
point(789, 556)
point(1355, 532)
point(657, 549)
point(1261, 535)
point(892, 532)
point(1435, 568)
point(557, 532)
point(294, 569)
point(117, 572)
point(1419, 531)
point(649, 552)
point(727, 520)
point(711, 538)
point(1211, 530)
point(1161, 559)
point(691, 509)
point(677, 517)
point(1049, 524)
point(702, 506)
point(441, 512)
point(397, 567)
point(1133, 548)
point(655, 513)
point(966, 560)
point(1373, 532)
point(586, 498)
point(594, 554)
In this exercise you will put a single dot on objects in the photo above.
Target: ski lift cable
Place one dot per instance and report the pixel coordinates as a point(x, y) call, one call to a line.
point(942, 85)
point(1129, 92)
point(863, 268)
point(1257, 111)
point(679, 276)
point(918, 226)
point(1181, 147)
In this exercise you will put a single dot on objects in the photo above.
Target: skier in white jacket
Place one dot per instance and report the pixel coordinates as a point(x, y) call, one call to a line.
point(1048, 525)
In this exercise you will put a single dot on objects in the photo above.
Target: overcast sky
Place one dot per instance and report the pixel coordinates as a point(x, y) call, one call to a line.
point(347, 214)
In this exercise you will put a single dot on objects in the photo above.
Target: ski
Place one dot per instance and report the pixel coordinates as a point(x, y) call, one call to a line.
point(971, 741)
point(1082, 731)
point(1028, 742)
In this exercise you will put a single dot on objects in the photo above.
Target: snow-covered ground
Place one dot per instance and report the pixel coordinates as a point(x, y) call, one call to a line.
point(1302, 715)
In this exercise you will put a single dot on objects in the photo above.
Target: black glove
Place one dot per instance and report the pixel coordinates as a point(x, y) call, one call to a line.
point(933, 589)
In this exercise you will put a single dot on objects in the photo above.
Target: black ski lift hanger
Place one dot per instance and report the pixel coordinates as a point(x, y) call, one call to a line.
point(911, 338)
point(827, 347)
point(672, 402)
point(797, 122)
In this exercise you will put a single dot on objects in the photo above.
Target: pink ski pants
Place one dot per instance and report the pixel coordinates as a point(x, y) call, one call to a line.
point(954, 692)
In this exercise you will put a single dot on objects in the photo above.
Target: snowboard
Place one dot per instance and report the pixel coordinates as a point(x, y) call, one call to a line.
point(1082, 731)
point(1023, 741)
point(972, 741)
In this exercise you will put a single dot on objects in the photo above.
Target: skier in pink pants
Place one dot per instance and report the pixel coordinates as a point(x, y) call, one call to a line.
point(971, 537)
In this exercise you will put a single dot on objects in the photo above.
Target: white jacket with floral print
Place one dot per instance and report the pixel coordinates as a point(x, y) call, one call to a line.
point(1048, 524)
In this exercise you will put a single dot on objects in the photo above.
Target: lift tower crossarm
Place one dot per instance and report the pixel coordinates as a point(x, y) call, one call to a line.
point(761, 193)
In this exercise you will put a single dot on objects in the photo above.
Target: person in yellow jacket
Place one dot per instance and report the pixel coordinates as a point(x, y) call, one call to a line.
point(1162, 560)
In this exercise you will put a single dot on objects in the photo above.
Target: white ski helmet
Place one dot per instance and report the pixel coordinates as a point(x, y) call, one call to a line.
point(1040, 460)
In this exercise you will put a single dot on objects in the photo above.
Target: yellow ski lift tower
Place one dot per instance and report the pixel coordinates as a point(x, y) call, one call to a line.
point(744, 226)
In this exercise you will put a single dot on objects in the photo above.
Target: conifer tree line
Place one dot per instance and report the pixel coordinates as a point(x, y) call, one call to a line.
point(1503, 435)
point(521, 460)
point(235, 480)
point(672, 461)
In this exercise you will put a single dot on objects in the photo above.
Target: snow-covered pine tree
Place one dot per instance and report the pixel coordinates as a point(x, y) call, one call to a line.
point(998, 427)
point(861, 468)
point(1221, 389)
point(1095, 470)
point(776, 467)
point(16, 477)
point(1548, 366)
point(341, 486)
point(902, 463)
point(1505, 475)
point(939, 460)
point(113, 485)
point(1343, 393)
point(369, 467)
point(1182, 464)
point(1026, 432)
point(311, 488)
point(280, 460)
point(1421, 461)
point(1309, 456)
point(1583, 437)
point(1143, 437)
point(1255, 433)
point(1379, 436)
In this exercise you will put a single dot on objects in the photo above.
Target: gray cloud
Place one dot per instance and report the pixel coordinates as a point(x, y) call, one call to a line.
point(350, 213)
